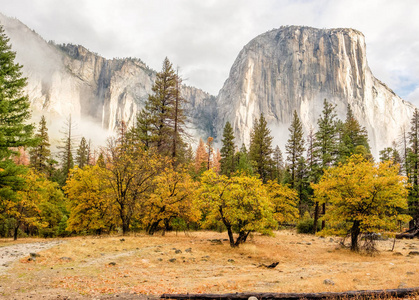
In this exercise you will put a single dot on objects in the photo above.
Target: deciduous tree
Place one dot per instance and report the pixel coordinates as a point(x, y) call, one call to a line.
point(241, 203)
point(363, 197)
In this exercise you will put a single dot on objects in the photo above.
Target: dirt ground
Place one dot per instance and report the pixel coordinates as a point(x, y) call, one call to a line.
point(198, 262)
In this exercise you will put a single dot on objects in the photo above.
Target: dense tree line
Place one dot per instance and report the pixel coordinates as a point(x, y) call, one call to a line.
point(149, 178)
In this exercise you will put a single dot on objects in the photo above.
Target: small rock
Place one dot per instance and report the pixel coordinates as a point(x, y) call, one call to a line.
point(31, 259)
point(252, 298)
point(231, 261)
point(331, 240)
point(397, 254)
point(160, 259)
point(308, 243)
point(328, 282)
point(189, 250)
point(66, 258)
point(216, 242)
point(413, 253)
point(273, 265)
point(178, 251)
point(112, 263)
point(172, 259)
point(34, 255)
point(122, 240)
point(410, 273)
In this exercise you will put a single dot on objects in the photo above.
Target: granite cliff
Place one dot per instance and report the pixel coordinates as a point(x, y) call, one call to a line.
point(285, 69)
point(97, 92)
point(296, 68)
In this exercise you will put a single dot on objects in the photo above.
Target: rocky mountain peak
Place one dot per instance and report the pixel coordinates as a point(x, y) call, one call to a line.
point(296, 68)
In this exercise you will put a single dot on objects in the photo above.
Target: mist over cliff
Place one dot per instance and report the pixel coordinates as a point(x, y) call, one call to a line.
point(285, 69)
point(98, 93)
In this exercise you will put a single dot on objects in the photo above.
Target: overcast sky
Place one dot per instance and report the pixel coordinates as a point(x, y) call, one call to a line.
point(203, 37)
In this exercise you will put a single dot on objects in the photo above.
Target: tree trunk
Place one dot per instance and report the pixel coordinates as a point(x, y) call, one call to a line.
point(15, 231)
point(125, 227)
point(230, 236)
point(316, 217)
point(355, 231)
point(242, 238)
point(153, 227)
point(323, 213)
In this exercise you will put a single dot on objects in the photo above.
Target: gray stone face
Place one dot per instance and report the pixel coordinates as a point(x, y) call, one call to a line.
point(70, 79)
point(296, 68)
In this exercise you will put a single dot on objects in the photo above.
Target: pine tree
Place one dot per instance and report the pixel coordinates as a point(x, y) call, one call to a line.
point(141, 131)
point(352, 135)
point(66, 151)
point(261, 148)
point(14, 105)
point(243, 161)
point(278, 164)
point(163, 119)
point(40, 154)
point(413, 164)
point(228, 165)
point(210, 152)
point(294, 147)
point(201, 158)
point(82, 158)
point(325, 146)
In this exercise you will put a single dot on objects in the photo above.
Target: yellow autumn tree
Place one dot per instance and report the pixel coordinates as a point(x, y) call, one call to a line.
point(284, 200)
point(172, 197)
point(201, 158)
point(89, 201)
point(36, 204)
point(130, 171)
point(217, 161)
point(241, 203)
point(363, 197)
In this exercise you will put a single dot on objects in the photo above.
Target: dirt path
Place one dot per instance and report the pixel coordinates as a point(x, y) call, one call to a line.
point(9, 254)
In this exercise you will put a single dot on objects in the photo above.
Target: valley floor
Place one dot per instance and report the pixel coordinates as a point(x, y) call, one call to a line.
point(198, 262)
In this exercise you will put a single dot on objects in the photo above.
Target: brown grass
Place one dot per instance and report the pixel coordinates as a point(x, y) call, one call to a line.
point(143, 266)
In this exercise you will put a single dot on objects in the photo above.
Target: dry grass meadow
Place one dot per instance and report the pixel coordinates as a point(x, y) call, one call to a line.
point(192, 263)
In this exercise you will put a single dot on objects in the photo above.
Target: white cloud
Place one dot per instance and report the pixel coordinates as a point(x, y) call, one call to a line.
point(204, 37)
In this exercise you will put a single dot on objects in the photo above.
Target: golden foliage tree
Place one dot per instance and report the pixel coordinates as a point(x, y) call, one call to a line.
point(130, 171)
point(241, 203)
point(172, 197)
point(363, 197)
point(37, 193)
point(201, 157)
point(89, 201)
point(284, 200)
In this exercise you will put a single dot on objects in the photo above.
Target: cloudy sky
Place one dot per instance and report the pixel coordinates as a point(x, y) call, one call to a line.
point(204, 37)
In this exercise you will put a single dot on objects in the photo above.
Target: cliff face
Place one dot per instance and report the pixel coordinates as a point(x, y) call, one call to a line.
point(69, 79)
point(295, 68)
point(286, 69)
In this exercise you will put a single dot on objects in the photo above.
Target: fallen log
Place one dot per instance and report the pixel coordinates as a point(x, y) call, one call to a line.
point(395, 293)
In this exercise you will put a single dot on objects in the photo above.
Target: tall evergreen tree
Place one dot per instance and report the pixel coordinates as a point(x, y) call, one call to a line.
point(66, 151)
point(163, 119)
point(352, 135)
point(244, 164)
point(14, 105)
point(40, 154)
point(228, 165)
point(14, 133)
point(210, 152)
point(278, 164)
point(260, 149)
point(82, 157)
point(295, 146)
point(413, 166)
point(325, 146)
